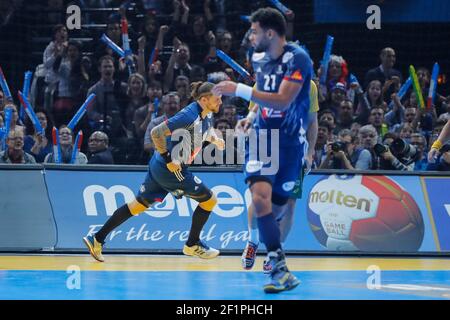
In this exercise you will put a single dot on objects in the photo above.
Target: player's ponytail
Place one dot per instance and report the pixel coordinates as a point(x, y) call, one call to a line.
point(200, 89)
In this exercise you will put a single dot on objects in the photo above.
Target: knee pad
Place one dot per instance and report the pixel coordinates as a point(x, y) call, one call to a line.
point(138, 206)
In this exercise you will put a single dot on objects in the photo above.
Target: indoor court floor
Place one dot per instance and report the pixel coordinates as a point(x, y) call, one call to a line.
point(177, 277)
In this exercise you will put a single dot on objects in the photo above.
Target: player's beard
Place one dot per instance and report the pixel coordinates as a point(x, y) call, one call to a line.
point(262, 46)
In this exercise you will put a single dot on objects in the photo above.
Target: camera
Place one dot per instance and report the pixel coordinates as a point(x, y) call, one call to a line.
point(338, 146)
point(400, 149)
point(379, 149)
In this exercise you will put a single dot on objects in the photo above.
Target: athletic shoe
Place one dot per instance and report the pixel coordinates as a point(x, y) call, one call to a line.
point(267, 267)
point(201, 250)
point(95, 248)
point(280, 277)
point(249, 255)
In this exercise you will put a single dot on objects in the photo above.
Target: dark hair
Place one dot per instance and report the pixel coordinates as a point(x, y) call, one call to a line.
point(57, 28)
point(104, 58)
point(200, 89)
point(29, 127)
point(270, 18)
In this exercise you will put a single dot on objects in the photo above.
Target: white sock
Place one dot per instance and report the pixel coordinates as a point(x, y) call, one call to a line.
point(254, 235)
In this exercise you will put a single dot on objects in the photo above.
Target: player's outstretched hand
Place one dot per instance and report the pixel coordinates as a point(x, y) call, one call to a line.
point(226, 88)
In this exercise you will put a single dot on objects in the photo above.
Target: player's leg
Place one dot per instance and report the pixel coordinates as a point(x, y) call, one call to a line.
point(249, 254)
point(194, 246)
point(185, 183)
point(149, 193)
point(287, 219)
point(275, 264)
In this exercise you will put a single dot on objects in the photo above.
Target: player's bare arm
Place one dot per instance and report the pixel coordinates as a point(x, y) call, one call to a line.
point(159, 134)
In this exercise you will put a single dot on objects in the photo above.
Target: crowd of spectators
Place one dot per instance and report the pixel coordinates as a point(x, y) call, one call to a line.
point(363, 125)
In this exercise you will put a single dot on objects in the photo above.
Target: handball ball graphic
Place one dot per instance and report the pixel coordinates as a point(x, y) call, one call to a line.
point(364, 213)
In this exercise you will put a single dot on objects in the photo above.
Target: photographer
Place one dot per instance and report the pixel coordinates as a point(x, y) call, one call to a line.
point(398, 155)
point(344, 154)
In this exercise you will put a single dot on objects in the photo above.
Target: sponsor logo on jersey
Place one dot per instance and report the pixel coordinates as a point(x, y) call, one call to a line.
point(287, 56)
point(288, 186)
point(271, 113)
point(197, 180)
point(280, 69)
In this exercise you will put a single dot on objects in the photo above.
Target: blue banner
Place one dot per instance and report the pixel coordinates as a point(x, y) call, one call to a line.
point(354, 11)
point(438, 194)
point(364, 213)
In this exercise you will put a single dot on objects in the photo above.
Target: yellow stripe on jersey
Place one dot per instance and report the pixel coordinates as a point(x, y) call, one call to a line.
point(313, 98)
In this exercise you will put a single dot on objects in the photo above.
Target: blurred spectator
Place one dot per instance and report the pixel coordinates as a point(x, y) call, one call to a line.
point(328, 116)
point(178, 66)
point(114, 33)
point(170, 106)
point(376, 119)
point(323, 137)
point(336, 78)
point(104, 113)
point(98, 149)
point(336, 96)
point(229, 112)
point(146, 113)
point(424, 77)
point(182, 86)
point(372, 98)
point(15, 118)
point(385, 71)
point(136, 92)
point(56, 49)
point(66, 143)
point(65, 94)
point(443, 161)
point(406, 130)
point(15, 152)
point(39, 146)
point(419, 142)
point(199, 33)
point(368, 137)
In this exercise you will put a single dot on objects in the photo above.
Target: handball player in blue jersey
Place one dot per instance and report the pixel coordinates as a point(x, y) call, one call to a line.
point(283, 74)
point(168, 171)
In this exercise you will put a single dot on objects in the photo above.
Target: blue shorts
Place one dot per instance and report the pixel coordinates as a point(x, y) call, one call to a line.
point(160, 181)
point(282, 172)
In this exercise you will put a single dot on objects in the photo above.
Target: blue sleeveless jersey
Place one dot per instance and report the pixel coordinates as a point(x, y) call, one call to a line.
point(293, 65)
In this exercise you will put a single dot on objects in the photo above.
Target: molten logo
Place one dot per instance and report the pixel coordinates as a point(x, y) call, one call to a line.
point(340, 199)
